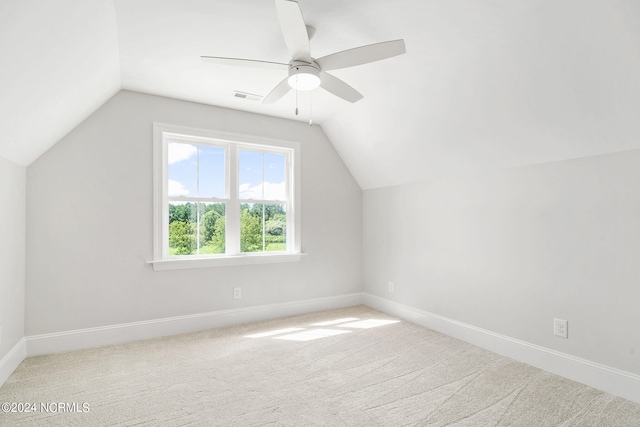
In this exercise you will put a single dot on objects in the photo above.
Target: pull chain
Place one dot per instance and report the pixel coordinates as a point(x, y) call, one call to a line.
point(296, 95)
point(310, 109)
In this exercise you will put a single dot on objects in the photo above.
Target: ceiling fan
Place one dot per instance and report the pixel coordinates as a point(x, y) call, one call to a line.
point(306, 72)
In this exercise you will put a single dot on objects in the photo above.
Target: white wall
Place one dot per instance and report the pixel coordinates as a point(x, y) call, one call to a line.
point(510, 250)
point(89, 223)
point(12, 254)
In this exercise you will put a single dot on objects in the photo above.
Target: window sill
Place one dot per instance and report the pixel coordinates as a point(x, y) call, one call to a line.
point(244, 259)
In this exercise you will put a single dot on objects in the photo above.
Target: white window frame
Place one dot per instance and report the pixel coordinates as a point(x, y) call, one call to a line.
point(232, 143)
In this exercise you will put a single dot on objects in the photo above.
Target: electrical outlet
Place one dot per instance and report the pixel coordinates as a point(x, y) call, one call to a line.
point(237, 293)
point(560, 328)
point(392, 287)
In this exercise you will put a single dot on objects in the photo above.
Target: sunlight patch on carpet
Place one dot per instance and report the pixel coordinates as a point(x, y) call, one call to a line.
point(335, 322)
point(367, 324)
point(311, 334)
point(272, 333)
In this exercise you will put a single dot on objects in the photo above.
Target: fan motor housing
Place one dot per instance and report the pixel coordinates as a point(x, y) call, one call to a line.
point(304, 76)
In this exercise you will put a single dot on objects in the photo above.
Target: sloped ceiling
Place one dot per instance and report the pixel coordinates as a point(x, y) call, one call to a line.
point(484, 84)
point(59, 62)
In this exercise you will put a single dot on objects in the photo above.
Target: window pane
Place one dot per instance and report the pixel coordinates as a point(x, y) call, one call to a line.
point(250, 174)
point(182, 164)
point(274, 176)
point(275, 227)
point(263, 227)
point(212, 228)
point(182, 228)
point(211, 172)
point(262, 176)
point(196, 228)
point(250, 227)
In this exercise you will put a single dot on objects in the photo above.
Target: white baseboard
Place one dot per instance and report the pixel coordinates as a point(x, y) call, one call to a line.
point(11, 360)
point(127, 332)
point(605, 378)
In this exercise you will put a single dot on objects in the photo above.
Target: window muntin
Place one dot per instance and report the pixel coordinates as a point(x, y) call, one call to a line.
point(209, 183)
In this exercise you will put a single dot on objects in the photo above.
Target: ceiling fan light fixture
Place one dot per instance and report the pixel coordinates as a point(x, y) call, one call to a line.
point(304, 71)
point(304, 77)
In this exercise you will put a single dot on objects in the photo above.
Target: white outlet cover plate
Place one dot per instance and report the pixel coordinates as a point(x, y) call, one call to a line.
point(560, 328)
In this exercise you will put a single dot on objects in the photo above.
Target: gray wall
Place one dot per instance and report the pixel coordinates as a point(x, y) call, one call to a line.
point(510, 250)
point(89, 223)
point(12, 253)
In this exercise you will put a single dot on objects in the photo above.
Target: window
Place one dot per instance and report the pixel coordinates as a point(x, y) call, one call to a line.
point(223, 199)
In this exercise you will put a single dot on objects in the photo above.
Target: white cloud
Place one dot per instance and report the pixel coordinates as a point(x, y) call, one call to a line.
point(177, 189)
point(272, 191)
point(249, 192)
point(178, 152)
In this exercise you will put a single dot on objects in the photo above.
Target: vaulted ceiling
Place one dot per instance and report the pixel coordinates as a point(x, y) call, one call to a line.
point(484, 84)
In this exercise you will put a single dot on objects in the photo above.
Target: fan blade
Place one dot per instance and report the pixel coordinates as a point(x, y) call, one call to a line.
point(339, 88)
point(277, 92)
point(294, 29)
point(245, 62)
point(362, 55)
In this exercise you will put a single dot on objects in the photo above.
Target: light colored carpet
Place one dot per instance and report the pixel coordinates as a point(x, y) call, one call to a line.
point(392, 374)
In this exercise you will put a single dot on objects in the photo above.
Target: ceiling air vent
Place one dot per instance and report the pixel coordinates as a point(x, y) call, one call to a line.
point(247, 96)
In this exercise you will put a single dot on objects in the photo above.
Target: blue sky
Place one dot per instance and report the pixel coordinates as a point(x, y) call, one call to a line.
point(184, 179)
